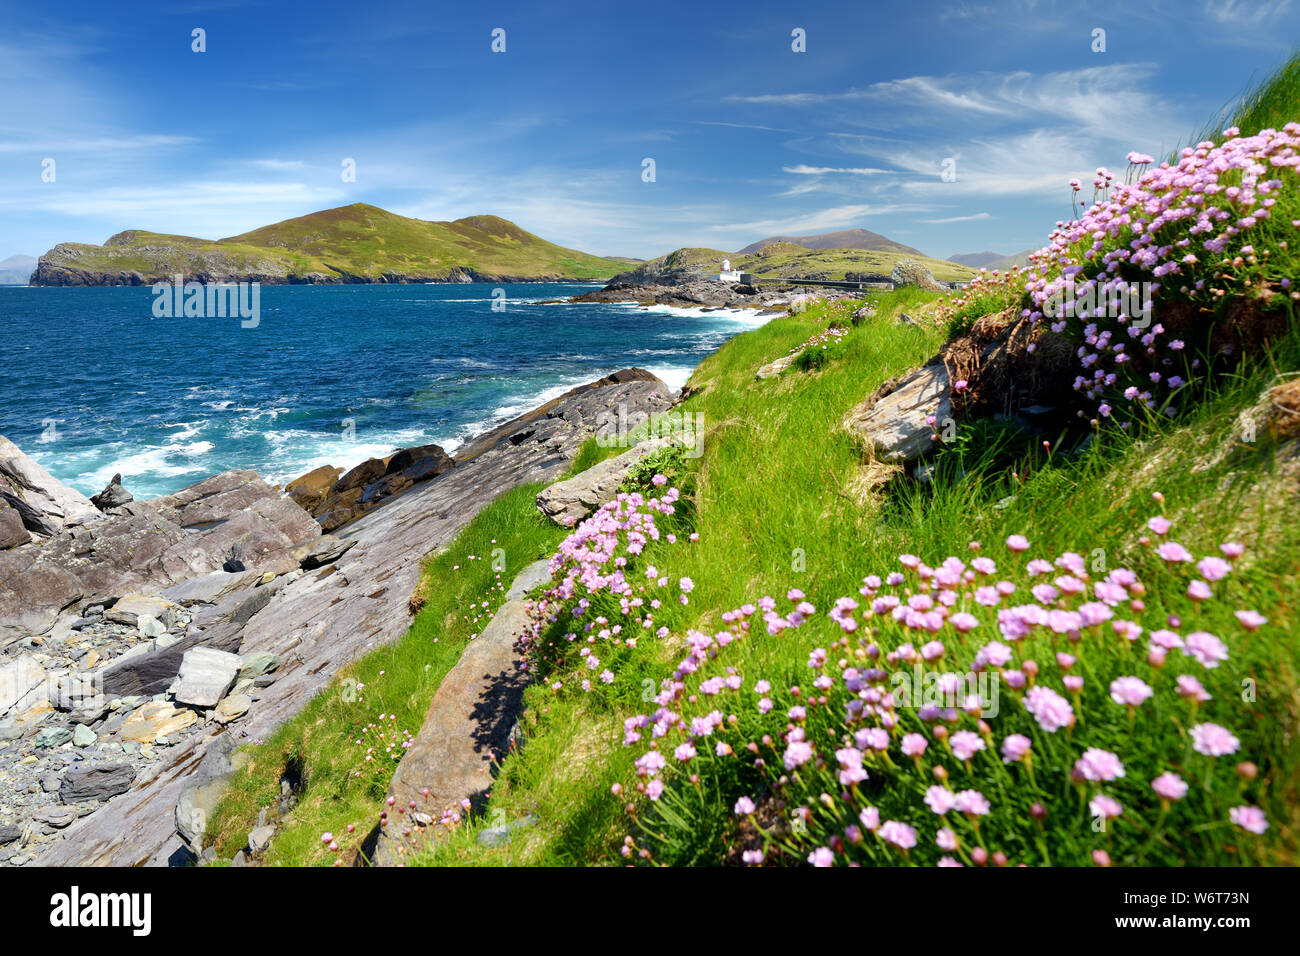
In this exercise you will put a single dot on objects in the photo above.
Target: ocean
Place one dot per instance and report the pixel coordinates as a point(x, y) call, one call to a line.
point(94, 384)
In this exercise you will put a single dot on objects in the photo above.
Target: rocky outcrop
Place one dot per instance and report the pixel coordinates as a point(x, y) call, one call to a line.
point(292, 633)
point(903, 419)
point(568, 502)
point(367, 485)
point(466, 730)
point(42, 504)
point(113, 496)
point(911, 272)
point(684, 290)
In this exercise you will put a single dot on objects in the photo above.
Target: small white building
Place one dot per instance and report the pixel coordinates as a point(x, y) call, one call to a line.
point(728, 274)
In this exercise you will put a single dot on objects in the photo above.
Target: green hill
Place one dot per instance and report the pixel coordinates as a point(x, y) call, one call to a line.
point(785, 259)
point(356, 243)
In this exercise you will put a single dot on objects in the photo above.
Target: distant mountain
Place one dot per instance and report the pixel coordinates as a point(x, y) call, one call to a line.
point(16, 270)
point(781, 260)
point(356, 243)
point(991, 260)
point(844, 239)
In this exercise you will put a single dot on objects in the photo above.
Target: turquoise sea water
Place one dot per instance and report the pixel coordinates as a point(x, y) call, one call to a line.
point(92, 383)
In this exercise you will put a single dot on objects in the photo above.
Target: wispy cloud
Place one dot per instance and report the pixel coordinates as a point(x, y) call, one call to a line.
point(972, 218)
point(802, 170)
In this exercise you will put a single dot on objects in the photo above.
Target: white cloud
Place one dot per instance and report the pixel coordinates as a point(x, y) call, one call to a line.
point(802, 170)
point(972, 218)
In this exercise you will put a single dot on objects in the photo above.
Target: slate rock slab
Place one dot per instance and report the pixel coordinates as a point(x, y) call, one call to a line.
point(205, 676)
point(96, 783)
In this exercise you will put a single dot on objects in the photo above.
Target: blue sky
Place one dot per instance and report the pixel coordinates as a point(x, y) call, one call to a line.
point(748, 137)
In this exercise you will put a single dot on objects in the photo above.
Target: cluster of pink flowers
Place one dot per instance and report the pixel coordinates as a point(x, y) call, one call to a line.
point(824, 339)
point(1183, 226)
point(884, 705)
point(601, 594)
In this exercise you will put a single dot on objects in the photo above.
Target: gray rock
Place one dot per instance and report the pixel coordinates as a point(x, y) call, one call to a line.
point(53, 737)
point(83, 736)
point(10, 833)
point(232, 708)
point(57, 817)
point(325, 550)
point(21, 685)
point(150, 626)
point(894, 422)
point(239, 859)
point(257, 664)
point(96, 783)
point(205, 676)
point(113, 495)
point(567, 502)
point(132, 607)
point(260, 838)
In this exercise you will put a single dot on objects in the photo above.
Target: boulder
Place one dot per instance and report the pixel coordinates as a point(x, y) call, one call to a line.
point(205, 676)
point(363, 474)
point(894, 423)
point(210, 588)
point(911, 272)
point(113, 496)
point(259, 839)
point(158, 718)
point(131, 607)
point(13, 533)
point(257, 664)
point(566, 502)
point(96, 783)
point(22, 683)
point(232, 708)
point(773, 369)
point(36, 488)
point(309, 490)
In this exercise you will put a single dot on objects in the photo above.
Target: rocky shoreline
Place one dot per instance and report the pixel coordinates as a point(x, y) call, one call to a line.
point(142, 642)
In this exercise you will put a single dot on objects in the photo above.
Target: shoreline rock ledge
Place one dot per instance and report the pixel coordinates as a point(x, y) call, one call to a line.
point(133, 642)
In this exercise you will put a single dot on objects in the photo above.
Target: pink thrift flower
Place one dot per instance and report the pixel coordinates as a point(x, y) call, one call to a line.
point(1050, 709)
point(1190, 687)
point(1169, 786)
point(939, 799)
point(1249, 818)
point(1206, 648)
point(1213, 740)
point(1015, 748)
point(1251, 620)
point(972, 803)
point(1105, 807)
point(899, 834)
point(1098, 765)
point(1129, 690)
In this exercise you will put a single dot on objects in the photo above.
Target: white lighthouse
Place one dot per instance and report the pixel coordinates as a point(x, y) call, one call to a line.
point(728, 274)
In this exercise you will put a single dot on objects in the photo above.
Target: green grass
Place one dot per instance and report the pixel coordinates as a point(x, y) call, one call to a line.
point(783, 496)
point(783, 499)
point(398, 681)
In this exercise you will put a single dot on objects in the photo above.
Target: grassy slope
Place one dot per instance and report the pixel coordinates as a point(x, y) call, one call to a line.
point(358, 240)
point(762, 497)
